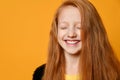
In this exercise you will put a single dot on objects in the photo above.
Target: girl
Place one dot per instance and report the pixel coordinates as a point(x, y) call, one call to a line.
point(79, 48)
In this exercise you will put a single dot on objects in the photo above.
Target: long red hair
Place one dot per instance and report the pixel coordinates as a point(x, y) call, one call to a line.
point(98, 61)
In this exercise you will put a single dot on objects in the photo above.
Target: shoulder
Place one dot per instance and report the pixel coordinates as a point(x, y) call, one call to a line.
point(38, 73)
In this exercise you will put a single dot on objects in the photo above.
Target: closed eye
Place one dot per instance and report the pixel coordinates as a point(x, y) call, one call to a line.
point(78, 27)
point(63, 27)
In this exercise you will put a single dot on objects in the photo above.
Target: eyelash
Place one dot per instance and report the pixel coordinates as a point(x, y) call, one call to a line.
point(63, 28)
point(78, 27)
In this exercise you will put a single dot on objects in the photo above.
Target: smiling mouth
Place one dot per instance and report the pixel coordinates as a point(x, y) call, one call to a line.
point(72, 42)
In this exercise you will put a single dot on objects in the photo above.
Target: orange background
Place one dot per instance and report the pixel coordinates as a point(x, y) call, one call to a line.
point(24, 33)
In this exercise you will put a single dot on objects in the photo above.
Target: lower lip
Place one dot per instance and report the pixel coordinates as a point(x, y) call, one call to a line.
point(72, 44)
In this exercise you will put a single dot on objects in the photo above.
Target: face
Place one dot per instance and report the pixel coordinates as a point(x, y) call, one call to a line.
point(69, 30)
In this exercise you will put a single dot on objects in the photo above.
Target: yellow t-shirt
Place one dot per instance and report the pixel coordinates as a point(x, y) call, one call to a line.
point(72, 77)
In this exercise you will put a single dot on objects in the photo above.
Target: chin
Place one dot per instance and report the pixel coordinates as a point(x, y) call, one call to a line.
point(72, 52)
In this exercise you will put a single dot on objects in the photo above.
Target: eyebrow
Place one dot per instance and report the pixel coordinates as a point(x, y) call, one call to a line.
point(63, 22)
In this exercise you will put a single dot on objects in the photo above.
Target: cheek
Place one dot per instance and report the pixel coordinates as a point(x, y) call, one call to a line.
point(61, 34)
point(79, 33)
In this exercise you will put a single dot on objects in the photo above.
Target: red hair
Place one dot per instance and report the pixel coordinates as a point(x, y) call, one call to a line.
point(98, 60)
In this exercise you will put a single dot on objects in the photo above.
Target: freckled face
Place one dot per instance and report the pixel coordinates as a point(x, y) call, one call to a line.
point(69, 29)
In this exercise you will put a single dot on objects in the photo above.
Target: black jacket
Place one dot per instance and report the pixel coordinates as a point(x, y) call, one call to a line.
point(38, 73)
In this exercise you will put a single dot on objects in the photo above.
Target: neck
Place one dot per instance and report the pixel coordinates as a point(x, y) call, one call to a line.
point(72, 63)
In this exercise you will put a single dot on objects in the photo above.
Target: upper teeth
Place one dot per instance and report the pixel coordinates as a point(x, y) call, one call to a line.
point(72, 42)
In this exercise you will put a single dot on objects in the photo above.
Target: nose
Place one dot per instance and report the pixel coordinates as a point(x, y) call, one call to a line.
point(72, 33)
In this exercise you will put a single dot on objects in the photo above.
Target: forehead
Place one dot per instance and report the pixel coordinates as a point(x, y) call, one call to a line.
point(69, 13)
